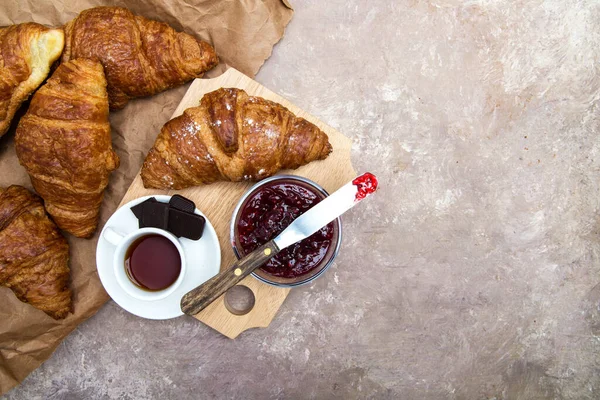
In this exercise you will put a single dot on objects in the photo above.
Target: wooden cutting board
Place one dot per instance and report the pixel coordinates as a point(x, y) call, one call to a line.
point(218, 200)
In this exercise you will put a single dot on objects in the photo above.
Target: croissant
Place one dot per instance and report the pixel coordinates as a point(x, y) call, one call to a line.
point(232, 137)
point(26, 53)
point(64, 143)
point(141, 57)
point(34, 256)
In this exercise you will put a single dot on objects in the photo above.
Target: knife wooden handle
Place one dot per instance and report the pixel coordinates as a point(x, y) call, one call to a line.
point(199, 298)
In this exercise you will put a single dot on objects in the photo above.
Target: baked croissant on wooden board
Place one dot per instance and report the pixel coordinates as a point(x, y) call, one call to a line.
point(26, 53)
point(231, 137)
point(141, 57)
point(34, 256)
point(64, 143)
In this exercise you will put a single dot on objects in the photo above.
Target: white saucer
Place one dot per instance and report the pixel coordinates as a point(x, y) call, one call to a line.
point(203, 259)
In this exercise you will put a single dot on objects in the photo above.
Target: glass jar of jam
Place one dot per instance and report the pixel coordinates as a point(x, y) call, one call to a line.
point(265, 211)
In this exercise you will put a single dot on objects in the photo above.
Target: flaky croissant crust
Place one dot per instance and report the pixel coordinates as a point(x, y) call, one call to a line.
point(64, 142)
point(141, 57)
point(34, 255)
point(231, 136)
point(26, 53)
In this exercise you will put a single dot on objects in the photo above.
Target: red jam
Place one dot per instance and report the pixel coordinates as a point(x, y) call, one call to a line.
point(365, 184)
point(268, 212)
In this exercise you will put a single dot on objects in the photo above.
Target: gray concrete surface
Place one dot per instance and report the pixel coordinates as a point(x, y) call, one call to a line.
point(473, 274)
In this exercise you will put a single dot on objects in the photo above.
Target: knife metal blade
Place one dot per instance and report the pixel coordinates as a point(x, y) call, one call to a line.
point(318, 216)
point(327, 210)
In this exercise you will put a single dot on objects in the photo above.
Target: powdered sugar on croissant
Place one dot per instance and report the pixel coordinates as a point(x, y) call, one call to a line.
point(231, 137)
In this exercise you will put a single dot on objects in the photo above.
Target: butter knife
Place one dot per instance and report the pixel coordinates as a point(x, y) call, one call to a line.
point(302, 227)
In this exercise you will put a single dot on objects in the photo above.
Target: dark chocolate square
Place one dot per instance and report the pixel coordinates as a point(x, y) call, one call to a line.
point(177, 217)
point(184, 224)
point(138, 209)
point(181, 203)
point(155, 215)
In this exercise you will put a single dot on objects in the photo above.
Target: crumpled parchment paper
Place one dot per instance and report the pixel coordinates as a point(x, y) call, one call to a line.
point(243, 33)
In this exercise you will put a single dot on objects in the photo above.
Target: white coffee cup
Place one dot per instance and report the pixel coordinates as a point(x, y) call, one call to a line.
point(122, 243)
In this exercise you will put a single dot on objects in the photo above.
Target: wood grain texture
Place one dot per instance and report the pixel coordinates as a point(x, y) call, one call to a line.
point(218, 200)
point(199, 298)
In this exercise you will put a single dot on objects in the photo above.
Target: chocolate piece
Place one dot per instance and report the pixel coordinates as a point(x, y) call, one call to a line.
point(137, 210)
point(181, 203)
point(177, 217)
point(155, 215)
point(182, 223)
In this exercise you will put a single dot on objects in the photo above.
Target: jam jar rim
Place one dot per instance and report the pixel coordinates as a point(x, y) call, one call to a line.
point(250, 191)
